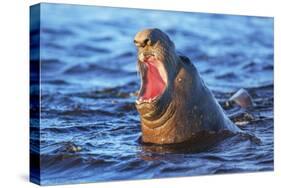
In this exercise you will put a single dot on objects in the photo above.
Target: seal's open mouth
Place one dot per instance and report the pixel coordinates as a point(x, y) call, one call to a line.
point(154, 79)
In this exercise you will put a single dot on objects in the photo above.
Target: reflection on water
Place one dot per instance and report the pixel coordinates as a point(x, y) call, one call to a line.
point(90, 128)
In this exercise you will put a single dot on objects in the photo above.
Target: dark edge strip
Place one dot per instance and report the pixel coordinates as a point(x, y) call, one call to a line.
point(34, 94)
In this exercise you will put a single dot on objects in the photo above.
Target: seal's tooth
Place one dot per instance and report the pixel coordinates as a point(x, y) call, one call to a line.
point(137, 101)
point(141, 57)
point(154, 98)
point(149, 100)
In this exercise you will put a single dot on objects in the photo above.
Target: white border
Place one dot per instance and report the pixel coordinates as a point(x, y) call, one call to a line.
point(14, 96)
point(240, 7)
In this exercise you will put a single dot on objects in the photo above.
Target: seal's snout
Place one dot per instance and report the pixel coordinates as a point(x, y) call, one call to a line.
point(150, 39)
point(147, 37)
point(142, 42)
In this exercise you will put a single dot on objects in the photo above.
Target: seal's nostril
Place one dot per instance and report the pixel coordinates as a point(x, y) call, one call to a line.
point(137, 43)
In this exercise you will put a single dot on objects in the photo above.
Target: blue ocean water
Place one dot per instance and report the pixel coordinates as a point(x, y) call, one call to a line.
point(90, 128)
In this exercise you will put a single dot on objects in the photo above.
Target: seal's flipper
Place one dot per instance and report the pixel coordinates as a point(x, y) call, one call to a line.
point(242, 98)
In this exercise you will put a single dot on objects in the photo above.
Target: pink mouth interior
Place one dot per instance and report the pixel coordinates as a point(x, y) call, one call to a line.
point(153, 79)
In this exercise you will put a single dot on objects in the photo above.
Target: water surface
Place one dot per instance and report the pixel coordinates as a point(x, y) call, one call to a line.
point(90, 128)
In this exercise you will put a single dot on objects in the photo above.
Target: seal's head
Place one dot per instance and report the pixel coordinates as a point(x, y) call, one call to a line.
point(157, 66)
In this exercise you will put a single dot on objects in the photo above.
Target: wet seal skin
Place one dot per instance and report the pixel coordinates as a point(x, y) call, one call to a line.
point(173, 102)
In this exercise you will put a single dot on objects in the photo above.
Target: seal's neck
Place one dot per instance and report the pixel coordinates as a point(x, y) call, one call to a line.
point(159, 118)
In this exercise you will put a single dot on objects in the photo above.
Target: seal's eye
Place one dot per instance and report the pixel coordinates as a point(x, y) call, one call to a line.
point(147, 41)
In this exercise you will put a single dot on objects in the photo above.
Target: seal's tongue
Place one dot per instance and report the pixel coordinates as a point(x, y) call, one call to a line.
point(153, 83)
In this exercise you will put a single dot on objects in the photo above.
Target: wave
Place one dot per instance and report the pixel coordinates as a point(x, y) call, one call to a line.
point(94, 69)
point(58, 32)
point(227, 76)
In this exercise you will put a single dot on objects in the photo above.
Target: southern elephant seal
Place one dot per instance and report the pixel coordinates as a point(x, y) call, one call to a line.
point(173, 101)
